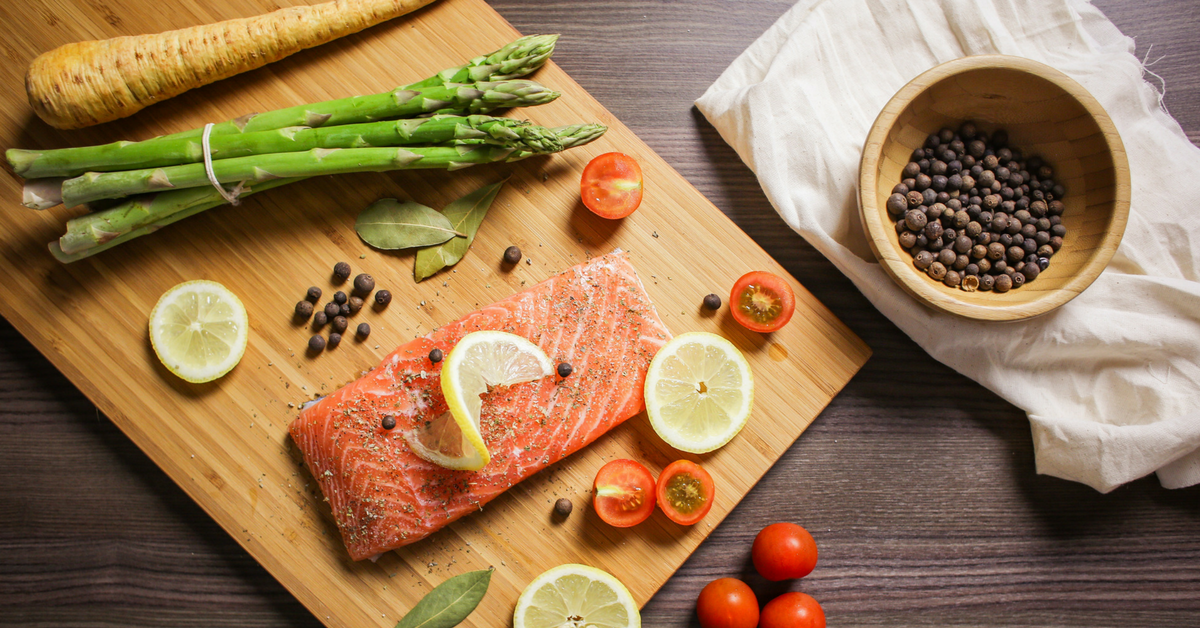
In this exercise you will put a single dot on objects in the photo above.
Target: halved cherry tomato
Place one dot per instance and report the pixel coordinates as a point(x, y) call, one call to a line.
point(685, 492)
point(612, 185)
point(784, 550)
point(762, 302)
point(623, 493)
point(793, 610)
point(727, 603)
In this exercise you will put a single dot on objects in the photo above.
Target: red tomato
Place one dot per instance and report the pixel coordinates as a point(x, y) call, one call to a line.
point(762, 302)
point(612, 185)
point(685, 492)
point(623, 493)
point(727, 603)
point(793, 610)
point(784, 550)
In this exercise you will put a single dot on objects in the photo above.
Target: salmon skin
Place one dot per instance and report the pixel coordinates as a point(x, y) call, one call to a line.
point(595, 316)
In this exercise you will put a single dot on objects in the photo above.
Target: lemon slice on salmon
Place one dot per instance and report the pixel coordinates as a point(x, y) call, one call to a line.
point(480, 361)
point(576, 595)
point(198, 330)
point(699, 392)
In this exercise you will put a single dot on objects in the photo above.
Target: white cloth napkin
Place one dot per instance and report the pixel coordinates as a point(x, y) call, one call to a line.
point(1111, 380)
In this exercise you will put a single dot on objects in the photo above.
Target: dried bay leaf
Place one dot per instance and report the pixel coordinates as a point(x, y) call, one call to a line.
point(464, 215)
point(392, 224)
point(449, 603)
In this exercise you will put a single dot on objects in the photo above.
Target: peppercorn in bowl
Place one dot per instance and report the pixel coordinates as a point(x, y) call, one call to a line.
point(994, 188)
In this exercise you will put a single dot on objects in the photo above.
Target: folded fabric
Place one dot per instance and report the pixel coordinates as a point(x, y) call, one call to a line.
point(1111, 380)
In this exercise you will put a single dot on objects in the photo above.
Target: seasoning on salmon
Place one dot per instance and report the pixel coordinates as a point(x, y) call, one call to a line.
point(595, 316)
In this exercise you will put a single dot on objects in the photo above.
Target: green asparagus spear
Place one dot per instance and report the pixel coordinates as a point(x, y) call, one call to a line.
point(136, 216)
point(512, 61)
point(71, 162)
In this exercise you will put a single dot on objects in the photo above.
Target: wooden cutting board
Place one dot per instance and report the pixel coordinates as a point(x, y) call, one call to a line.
point(226, 442)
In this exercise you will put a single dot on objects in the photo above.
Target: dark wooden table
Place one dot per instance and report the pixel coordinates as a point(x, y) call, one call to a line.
point(924, 501)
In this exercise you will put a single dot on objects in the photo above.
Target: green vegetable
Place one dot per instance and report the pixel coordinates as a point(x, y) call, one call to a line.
point(450, 602)
point(518, 58)
point(438, 130)
point(258, 168)
point(570, 136)
point(465, 215)
point(391, 224)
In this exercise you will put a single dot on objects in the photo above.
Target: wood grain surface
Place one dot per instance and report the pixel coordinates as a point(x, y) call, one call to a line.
point(1044, 112)
point(917, 483)
point(226, 442)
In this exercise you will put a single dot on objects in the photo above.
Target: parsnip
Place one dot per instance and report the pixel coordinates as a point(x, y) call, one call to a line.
point(90, 82)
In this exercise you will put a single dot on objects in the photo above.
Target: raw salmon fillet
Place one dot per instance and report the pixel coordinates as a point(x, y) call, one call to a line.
point(596, 316)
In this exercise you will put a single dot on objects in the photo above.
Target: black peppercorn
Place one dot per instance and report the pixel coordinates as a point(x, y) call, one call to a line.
point(319, 319)
point(1059, 230)
point(1003, 283)
point(562, 507)
point(1015, 254)
point(1030, 271)
point(1043, 262)
point(923, 182)
point(929, 197)
point(1018, 279)
point(937, 271)
point(896, 206)
point(339, 297)
point(908, 239)
point(1055, 208)
point(922, 260)
point(1046, 250)
point(984, 264)
point(952, 278)
point(936, 167)
point(914, 199)
point(435, 355)
point(364, 284)
point(900, 189)
point(314, 294)
point(713, 302)
point(915, 219)
point(960, 262)
point(382, 298)
point(938, 182)
point(334, 339)
point(933, 231)
point(911, 170)
point(972, 269)
point(355, 304)
point(986, 282)
point(341, 271)
point(388, 422)
point(304, 309)
point(339, 324)
point(363, 330)
point(962, 244)
point(564, 369)
point(344, 310)
point(316, 344)
point(979, 251)
point(1029, 246)
point(946, 257)
point(512, 254)
point(332, 309)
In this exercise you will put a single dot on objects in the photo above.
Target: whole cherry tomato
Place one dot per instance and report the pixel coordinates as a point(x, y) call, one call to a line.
point(727, 603)
point(793, 610)
point(784, 550)
point(611, 185)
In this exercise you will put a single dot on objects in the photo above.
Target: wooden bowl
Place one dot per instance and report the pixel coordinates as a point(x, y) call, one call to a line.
point(1045, 112)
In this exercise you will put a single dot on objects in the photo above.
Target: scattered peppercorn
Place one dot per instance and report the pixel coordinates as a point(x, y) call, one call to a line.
point(562, 507)
point(512, 255)
point(363, 330)
point(712, 302)
point(316, 344)
point(334, 339)
point(344, 309)
point(435, 356)
point(304, 309)
point(383, 297)
point(355, 304)
point(339, 297)
point(332, 309)
point(388, 422)
point(969, 205)
point(564, 369)
point(364, 284)
point(340, 323)
point(341, 271)
point(314, 294)
point(319, 319)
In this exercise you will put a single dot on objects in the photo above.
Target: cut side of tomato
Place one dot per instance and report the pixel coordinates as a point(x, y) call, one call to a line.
point(762, 301)
point(685, 492)
point(612, 185)
point(623, 493)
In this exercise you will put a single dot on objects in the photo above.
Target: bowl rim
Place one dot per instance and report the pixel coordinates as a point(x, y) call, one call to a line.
point(902, 272)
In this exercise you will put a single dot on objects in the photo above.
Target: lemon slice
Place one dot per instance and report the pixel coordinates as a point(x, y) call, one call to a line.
point(198, 329)
point(574, 596)
point(699, 392)
point(481, 360)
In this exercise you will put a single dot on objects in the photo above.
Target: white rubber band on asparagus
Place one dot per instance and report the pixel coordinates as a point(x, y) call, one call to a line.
point(230, 196)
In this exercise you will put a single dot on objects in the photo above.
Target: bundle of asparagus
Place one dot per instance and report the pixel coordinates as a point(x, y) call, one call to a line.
point(136, 188)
